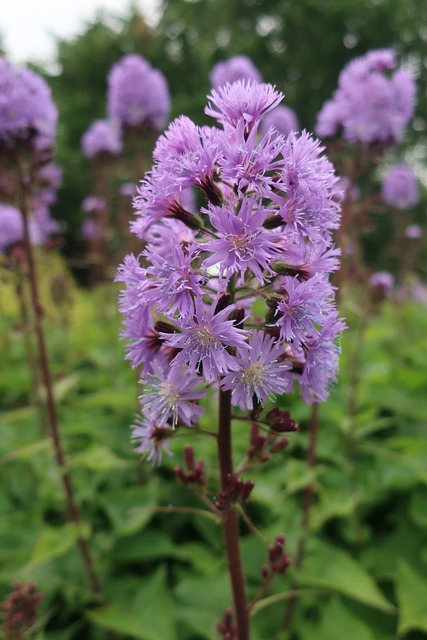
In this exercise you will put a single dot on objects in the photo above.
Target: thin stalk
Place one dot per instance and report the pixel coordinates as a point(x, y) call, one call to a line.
point(25, 190)
point(307, 502)
point(230, 521)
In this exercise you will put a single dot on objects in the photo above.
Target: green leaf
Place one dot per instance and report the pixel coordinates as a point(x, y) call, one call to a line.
point(332, 568)
point(202, 602)
point(338, 622)
point(411, 593)
point(54, 542)
point(26, 452)
point(150, 616)
point(98, 458)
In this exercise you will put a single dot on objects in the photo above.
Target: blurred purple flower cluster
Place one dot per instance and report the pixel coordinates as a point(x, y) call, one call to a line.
point(233, 69)
point(399, 188)
point(374, 101)
point(27, 112)
point(138, 95)
point(262, 236)
point(102, 137)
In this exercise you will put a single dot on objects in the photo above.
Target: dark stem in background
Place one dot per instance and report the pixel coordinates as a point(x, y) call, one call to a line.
point(307, 502)
point(25, 192)
point(29, 350)
point(230, 521)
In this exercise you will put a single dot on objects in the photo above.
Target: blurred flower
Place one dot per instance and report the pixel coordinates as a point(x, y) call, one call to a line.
point(414, 231)
point(11, 227)
point(27, 112)
point(94, 204)
point(103, 136)
point(282, 118)
point(399, 187)
point(373, 103)
point(138, 95)
point(235, 68)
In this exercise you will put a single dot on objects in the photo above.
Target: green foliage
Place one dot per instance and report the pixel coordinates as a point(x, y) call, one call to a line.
point(159, 552)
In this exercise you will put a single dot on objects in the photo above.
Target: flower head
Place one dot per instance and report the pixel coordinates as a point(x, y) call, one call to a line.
point(233, 69)
point(27, 112)
point(282, 118)
point(262, 372)
point(373, 103)
point(103, 136)
point(138, 95)
point(11, 227)
point(399, 187)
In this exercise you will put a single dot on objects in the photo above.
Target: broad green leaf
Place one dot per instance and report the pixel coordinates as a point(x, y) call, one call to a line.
point(332, 568)
point(98, 458)
point(149, 616)
point(123, 505)
point(338, 623)
point(411, 593)
point(54, 542)
point(202, 602)
point(26, 452)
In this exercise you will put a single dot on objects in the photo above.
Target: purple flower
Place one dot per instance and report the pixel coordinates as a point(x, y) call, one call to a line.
point(282, 118)
point(27, 112)
point(373, 103)
point(103, 136)
point(11, 227)
point(414, 231)
point(151, 438)
point(138, 95)
point(244, 244)
point(173, 280)
point(307, 191)
point(399, 187)
point(233, 69)
point(262, 372)
point(382, 280)
point(321, 360)
point(51, 175)
point(242, 104)
point(204, 339)
point(303, 306)
point(94, 204)
point(170, 395)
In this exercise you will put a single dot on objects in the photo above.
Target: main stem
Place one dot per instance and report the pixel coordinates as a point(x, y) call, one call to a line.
point(230, 521)
point(25, 187)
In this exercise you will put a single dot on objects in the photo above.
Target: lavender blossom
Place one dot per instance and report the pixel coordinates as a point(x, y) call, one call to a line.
point(262, 372)
point(399, 188)
point(414, 231)
point(102, 137)
point(259, 231)
point(151, 438)
point(138, 95)
point(373, 103)
point(27, 112)
point(170, 395)
point(233, 69)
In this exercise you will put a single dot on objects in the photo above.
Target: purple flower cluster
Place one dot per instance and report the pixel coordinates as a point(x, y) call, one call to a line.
point(374, 101)
point(233, 69)
point(103, 136)
point(233, 294)
point(138, 95)
point(399, 188)
point(27, 112)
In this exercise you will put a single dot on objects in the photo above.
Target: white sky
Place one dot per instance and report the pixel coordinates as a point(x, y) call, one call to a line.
point(28, 27)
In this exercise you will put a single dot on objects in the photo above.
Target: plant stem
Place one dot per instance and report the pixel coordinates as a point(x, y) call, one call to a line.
point(230, 521)
point(25, 190)
point(307, 502)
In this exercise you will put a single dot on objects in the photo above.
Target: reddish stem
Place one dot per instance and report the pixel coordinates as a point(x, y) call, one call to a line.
point(230, 521)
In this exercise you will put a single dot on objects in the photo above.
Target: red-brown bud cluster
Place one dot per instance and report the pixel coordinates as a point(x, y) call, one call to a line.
point(226, 627)
point(19, 610)
point(235, 490)
point(195, 470)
